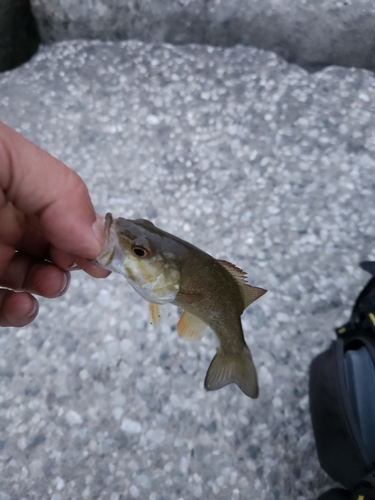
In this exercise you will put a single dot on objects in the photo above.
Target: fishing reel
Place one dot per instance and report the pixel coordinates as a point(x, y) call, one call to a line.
point(342, 401)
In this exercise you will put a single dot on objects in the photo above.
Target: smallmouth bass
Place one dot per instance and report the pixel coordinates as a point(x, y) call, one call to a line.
point(163, 268)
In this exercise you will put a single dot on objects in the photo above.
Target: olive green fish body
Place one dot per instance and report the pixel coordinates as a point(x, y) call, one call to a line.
point(220, 304)
point(164, 268)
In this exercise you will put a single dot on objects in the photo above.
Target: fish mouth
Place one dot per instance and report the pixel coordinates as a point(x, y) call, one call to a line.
point(106, 255)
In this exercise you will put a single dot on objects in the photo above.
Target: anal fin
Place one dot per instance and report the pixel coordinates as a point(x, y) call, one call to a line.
point(190, 327)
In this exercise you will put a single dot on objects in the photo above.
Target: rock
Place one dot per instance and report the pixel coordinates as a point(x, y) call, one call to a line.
point(143, 481)
point(60, 483)
point(313, 34)
point(131, 426)
point(156, 436)
point(36, 440)
point(19, 37)
point(126, 345)
point(73, 418)
point(134, 491)
point(104, 298)
point(156, 20)
point(117, 413)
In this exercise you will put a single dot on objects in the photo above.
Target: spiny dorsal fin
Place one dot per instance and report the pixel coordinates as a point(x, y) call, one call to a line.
point(237, 273)
point(190, 327)
point(249, 293)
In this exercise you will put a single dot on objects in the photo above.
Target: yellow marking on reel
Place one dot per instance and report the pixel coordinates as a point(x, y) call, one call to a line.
point(361, 497)
point(343, 329)
point(372, 317)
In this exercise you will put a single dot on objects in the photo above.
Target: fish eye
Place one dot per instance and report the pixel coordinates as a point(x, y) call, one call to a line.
point(141, 252)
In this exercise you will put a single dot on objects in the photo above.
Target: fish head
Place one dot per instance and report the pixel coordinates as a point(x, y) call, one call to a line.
point(131, 248)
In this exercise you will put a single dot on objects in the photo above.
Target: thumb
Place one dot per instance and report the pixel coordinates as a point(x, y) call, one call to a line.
point(38, 184)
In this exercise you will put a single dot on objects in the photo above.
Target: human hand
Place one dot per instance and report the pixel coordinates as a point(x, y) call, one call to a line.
point(48, 226)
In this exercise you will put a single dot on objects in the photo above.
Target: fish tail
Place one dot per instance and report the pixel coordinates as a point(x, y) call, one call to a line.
point(235, 368)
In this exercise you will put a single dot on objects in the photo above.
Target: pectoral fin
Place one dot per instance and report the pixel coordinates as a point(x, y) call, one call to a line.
point(155, 313)
point(233, 368)
point(190, 327)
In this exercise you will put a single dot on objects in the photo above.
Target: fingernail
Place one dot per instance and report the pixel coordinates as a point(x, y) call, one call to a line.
point(34, 308)
point(73, 267)
point(66, 281)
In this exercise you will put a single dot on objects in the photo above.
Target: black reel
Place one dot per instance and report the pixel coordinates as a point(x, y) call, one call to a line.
point(342, 401)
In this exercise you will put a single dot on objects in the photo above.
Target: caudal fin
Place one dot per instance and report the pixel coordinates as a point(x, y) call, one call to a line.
point(233, 368)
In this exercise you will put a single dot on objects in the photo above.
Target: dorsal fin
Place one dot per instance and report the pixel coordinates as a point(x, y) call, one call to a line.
point(236, 272)
point(249, 293)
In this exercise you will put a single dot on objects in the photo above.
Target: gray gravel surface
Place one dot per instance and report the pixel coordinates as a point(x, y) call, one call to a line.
point(255, 161)
point(311, 33)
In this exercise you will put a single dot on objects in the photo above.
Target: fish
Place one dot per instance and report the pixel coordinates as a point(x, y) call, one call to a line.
point(212, 293)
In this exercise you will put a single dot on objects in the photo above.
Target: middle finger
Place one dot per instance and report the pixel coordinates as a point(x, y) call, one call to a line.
point(35, 276)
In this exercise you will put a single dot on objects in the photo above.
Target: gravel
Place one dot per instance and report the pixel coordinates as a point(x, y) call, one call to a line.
point(251, 159)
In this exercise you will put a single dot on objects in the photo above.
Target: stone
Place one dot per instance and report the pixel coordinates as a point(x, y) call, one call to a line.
point(131, 426)
point(156, 20)
point(37, 440)
point(156, 436)
point(73, 418)
point(19, 36)
point(60, 483)
point(134, 491)
point(313, 34)
point(117, 413)
point(126, 345)
point(104, 298)
point(144, 481)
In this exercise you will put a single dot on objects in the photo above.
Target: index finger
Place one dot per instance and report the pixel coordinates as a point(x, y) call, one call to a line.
point(39, 184)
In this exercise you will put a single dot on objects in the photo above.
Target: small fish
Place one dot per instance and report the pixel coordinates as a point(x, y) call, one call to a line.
point(163, 268)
